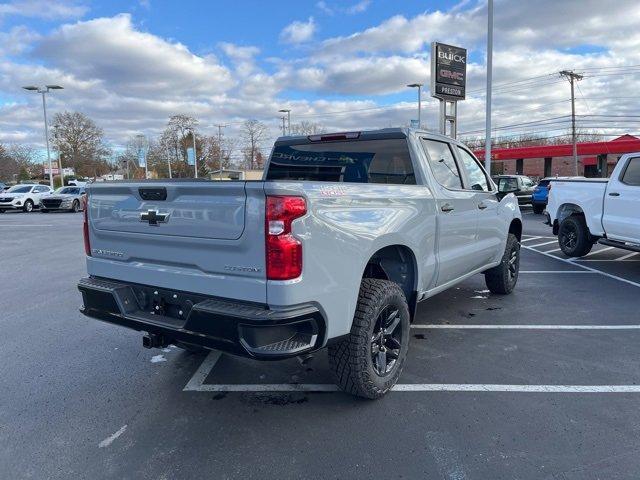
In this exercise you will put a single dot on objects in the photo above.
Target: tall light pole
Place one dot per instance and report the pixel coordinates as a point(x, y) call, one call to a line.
point(142, 144)
point(288, 112)
point(44, 90)
point(284, 129)
point(419, 87)
point(168, 161)
point(195, 155)
point(487, 133)
point(573, 77)
point(220, 127)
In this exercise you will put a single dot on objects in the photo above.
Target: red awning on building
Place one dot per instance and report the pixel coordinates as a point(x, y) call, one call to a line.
point(624, 144)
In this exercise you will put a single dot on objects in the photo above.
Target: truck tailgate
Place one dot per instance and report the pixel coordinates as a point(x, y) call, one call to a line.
point(197, 236)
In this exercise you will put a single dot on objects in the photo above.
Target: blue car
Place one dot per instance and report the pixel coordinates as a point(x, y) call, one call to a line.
point(540, 195)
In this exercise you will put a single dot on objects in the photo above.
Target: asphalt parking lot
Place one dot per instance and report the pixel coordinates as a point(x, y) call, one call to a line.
point(544, 383)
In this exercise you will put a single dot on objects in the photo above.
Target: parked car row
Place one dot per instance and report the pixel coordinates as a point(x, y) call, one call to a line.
point(34, 196)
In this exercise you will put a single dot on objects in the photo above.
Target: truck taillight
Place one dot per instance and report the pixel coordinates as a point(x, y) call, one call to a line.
point(283, 250)
point(85, 229)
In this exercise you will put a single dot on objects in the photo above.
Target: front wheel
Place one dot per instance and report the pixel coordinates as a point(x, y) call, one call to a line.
point(28, 206)
point(369, 361)
point(502, 279)
point(574, 236)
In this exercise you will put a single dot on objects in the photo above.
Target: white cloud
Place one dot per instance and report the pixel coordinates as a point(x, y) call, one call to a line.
point(47, 9)
point(359, 7)
point(324, 7)
point(298, 32)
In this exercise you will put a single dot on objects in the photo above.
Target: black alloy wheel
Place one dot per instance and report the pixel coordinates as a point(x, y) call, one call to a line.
point(386, 341)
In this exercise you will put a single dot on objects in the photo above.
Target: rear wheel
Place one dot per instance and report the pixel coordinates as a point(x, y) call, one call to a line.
point(574, 236)
point(502, 279)
point(28, 206)
point(369, 361)
point(75, 207)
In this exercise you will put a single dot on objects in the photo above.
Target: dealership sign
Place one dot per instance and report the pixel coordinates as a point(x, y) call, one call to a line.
point(448, 71)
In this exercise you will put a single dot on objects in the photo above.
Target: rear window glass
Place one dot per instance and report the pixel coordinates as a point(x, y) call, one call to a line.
point(366, 161)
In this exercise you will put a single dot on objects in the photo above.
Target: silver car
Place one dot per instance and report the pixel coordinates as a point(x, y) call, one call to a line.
point(71, 199)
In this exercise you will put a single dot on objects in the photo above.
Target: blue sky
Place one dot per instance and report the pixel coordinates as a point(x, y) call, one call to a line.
point(130, 65)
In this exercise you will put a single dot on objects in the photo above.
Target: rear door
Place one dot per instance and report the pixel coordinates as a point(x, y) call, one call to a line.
point(457, 213)
point(491, 229)
point(621, 218)
point(197, 236)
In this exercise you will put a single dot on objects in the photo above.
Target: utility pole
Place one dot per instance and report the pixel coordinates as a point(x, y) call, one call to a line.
point(195, 156)
point(487, 138)
point(573, 77)
point(220, 127)
point(288, 112)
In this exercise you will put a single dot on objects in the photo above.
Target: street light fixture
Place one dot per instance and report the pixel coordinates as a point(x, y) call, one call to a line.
point(419, 87)
point(43, 91)
point(288, 112)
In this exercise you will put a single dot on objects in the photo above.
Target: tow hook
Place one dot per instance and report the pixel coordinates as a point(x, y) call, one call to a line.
point(153, 340)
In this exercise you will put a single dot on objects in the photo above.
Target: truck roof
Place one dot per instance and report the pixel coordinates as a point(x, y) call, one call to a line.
point(377, 134)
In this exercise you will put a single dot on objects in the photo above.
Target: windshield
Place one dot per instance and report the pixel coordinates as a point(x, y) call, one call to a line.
point(68, 191)
point(21, 189)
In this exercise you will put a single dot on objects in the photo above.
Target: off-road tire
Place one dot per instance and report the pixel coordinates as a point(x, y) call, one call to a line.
point(351, 358)
point(574, 237)
point(502, 279)
point(28, 206)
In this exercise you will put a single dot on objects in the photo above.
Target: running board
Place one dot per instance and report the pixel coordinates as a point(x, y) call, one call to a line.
point(625, 246)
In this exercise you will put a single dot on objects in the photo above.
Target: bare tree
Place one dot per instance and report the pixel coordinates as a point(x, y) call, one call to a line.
point(253, 134)
point(307, 128)
point(80, 144)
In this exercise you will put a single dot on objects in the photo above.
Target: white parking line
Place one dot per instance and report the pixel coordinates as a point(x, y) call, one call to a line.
point(17, 225)
point(554, 271)
point(541, 244)
point(526, 327)
point(570, 262)
point(598, 251)
point(632, 254)
point(196, 384)
point(530, 239)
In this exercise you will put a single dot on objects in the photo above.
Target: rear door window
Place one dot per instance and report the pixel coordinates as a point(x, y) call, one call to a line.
point(477, 178)
point(632, 172)
point(365, 161)
point(443, 163)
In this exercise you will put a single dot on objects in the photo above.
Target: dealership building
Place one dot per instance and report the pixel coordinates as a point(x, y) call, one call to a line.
point(595, 159)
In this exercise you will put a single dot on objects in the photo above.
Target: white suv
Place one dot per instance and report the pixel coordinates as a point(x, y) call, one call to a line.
point(24, 197)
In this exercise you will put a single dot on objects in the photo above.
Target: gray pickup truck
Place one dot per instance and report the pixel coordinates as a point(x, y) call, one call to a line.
point(334, 248)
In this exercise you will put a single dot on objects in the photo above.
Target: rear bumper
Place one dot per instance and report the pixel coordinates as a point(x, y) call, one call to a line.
point(245, 329)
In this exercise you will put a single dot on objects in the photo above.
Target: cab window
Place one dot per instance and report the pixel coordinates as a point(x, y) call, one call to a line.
point(477, 178)
point(632, 172)
point(442, 163)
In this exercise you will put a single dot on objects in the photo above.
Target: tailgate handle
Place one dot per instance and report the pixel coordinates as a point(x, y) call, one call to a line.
point(155, 193)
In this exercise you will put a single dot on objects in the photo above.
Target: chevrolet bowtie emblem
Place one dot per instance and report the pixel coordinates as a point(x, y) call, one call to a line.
point(154, 217)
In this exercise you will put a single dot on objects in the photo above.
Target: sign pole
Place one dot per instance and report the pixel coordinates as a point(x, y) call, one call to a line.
point(487, 138)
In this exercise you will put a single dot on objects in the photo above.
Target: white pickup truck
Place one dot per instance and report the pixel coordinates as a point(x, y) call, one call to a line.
point(583, 212)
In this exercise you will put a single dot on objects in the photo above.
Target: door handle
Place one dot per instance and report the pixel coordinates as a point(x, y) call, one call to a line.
point(614, 194)
point(447, 207)
point(482, 206)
